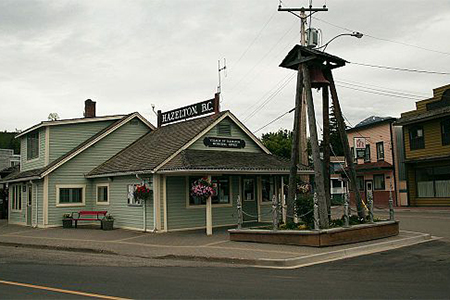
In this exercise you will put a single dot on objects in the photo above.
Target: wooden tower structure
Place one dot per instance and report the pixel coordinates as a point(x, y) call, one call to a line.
point(314, 70)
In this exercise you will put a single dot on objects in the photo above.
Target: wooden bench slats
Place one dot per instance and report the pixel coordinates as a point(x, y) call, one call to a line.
point(89, 213)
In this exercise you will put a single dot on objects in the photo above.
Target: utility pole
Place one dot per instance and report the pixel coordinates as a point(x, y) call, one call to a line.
point(299, 143)
point(303, 141)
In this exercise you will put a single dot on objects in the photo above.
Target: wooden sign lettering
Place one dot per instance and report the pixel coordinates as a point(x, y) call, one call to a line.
point(223, 142)
point(190, 111)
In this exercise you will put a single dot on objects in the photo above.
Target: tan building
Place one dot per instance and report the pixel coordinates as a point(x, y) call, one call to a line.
point(426, 132)
point(375, 144)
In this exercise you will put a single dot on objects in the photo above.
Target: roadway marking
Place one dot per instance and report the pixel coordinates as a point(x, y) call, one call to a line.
point(63, 291)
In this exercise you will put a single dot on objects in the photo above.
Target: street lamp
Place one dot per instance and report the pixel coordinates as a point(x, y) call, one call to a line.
point(355, 34)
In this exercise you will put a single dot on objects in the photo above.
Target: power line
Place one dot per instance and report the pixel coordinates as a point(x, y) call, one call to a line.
point(274, 120)
point(270, 98)
point(399, 69)
point(256, 37)
point(383, 39)
point(378, 92)
point(384, 88)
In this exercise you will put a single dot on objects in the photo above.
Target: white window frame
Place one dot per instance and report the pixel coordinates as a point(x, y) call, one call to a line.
point(71, 186)
point(16, 199)
point(134, 203)
point(194, 206)
point(96, 193)
point(38, 147)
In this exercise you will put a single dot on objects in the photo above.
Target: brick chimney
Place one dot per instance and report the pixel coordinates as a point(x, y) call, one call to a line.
point(89, 108)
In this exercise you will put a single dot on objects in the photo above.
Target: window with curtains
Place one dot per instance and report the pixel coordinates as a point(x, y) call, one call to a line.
point(433, 182)
point(367, 154)
point(380, 151)
point(378, 182)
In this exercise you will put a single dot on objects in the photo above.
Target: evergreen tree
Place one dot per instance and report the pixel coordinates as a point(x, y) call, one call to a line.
point(279, 143)
point(335, 139)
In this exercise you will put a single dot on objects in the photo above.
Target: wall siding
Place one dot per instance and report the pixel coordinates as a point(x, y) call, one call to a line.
point(64, 138)
point(236, 133)
point(39, 162)
point(181, 217)
point(433, 142)
point(74, 170)
point(125, 216)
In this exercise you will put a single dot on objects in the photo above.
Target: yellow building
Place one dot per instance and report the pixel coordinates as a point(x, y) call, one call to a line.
point(426, 134)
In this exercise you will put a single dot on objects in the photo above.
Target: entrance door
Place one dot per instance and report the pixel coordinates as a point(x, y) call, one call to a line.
point(29, 204)
point(249, 199)
point(369, 189)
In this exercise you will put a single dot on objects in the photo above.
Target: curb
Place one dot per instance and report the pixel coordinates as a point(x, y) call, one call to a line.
point(58, 248)
point(303, 261)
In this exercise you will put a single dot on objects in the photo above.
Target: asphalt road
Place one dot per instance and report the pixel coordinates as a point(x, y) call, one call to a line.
point(418, 272)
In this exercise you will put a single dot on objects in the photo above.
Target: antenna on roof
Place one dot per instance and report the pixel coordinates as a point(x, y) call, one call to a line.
point(220, 69)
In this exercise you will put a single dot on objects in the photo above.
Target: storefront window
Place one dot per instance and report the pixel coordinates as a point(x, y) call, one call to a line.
point(433, 182)
point(268, 188)
point(249, 189)
point(221, 187)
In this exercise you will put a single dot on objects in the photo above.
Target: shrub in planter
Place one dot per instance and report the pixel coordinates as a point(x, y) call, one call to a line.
point(67, 221)
point(304, 207)
point(108, 222)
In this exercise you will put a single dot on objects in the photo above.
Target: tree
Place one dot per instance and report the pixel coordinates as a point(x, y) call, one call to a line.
point(279, 143)
point(335, 139)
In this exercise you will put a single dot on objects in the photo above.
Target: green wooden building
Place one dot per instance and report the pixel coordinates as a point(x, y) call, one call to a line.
point(95, 163)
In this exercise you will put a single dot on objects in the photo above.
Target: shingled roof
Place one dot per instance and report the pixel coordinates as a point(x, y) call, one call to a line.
point(40, 172)
point(196, 160)
point(154, 148)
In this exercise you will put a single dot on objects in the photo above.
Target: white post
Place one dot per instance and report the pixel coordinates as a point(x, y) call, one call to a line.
point(209, 213)
point(283, 200)
point(144, 219)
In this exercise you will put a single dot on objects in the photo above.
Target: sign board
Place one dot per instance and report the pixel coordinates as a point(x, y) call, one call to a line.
point(224, 142)
point(360, 143)
point(190, 111)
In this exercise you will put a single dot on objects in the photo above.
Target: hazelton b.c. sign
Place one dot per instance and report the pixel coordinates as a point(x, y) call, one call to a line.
point(190, 111)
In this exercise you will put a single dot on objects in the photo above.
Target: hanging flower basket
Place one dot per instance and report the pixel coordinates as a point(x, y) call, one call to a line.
point(142, 193)
point(202, 189)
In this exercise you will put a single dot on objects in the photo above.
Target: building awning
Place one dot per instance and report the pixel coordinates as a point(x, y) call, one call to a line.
point(230, 162)
point(371, 167)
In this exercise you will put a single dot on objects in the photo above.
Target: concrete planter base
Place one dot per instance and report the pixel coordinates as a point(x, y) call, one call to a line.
point(107, 224)
point(67, 223)
point(319, 238)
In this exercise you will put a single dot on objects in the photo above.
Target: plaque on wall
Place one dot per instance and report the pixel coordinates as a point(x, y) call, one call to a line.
point(224, 142)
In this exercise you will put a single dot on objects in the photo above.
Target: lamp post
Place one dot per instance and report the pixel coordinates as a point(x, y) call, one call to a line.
point(355, 34)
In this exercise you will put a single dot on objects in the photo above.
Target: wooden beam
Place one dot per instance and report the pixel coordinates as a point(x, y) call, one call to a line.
point(326, 147)
point(344, 140)
point(318, 169)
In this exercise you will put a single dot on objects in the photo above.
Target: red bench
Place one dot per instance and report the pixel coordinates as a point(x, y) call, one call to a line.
point(89, 215)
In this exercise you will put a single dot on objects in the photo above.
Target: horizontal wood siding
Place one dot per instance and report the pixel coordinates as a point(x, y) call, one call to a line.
point(236, 133)
point(39, 162)
point(64, 138)
point(181, 217)
point(125, 215)
point(433, 142)
point(74, 170)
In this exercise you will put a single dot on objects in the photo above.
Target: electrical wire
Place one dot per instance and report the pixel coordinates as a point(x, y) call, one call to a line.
point(378, 93)
point(383, 39)
point(274, 120)
point(383, 88)
point(256, 37)
point(386, 91)
point(399, 69)
point(270, 98)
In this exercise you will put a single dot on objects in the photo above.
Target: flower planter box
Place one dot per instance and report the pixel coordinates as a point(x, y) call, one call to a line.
point(107, 224)
point(67, 223)
point(318, 238)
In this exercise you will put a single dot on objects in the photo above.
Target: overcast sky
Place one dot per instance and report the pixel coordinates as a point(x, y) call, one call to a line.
point(128, 55)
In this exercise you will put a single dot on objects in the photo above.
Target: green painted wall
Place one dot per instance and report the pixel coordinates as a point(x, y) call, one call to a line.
point(236, 133)
point(39, 162)
point(72, 172)
point(125, 216)
point(181, 217)
point(64, 138)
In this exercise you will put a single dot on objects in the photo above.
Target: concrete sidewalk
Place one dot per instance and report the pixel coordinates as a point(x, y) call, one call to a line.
point(192, 245)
